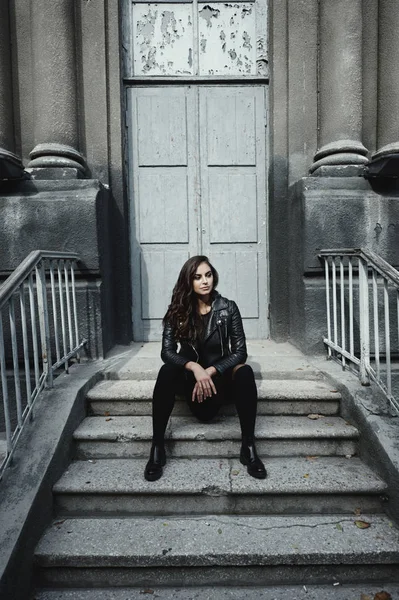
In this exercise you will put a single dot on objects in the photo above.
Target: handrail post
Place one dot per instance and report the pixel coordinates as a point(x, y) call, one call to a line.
point(44, 324)
point(364, 322)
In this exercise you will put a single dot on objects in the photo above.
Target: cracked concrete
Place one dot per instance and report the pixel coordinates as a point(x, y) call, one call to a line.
point(219, 540)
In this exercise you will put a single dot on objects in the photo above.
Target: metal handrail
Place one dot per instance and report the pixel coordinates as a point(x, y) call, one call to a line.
point(45, 278)
point(26, 267)
point(346, 271)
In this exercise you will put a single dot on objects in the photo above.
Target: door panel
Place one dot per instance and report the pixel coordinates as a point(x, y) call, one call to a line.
point(197, 184)
point(232, 192)
point(233, 196)
point(163, 138)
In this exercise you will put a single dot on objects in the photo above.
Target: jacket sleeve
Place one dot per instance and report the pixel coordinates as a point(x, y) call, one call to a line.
point(237, 341)
point(169, 348)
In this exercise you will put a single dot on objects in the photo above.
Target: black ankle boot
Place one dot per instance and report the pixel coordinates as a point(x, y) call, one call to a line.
point(157, 460)
point(250, 458)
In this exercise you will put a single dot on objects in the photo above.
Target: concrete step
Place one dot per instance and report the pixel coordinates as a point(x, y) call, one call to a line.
point(207, 485)
point(332, 591)
point(215, 549)
point(276, 397)
point(126, 437)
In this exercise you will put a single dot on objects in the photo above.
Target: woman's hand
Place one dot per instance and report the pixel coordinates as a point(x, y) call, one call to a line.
point(204, 387)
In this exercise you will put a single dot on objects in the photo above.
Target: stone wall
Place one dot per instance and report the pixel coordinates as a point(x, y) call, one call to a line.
point(333, 105)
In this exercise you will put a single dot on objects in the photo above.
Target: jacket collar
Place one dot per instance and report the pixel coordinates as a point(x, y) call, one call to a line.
point(218, 303)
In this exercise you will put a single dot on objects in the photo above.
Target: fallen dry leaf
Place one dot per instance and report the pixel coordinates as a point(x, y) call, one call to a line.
point(311, 457)
point(235, 472)
point(109, 419)
point(362, 524)
point(382, 596)
point(315, 416)
point(306, 475)
point(146, 591)
point(106, 413)
point(339, 527)
point(358, 511)
point(334, 391)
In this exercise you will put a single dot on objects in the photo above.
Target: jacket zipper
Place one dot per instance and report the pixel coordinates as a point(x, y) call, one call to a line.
point(219, 324)
point(195, 352)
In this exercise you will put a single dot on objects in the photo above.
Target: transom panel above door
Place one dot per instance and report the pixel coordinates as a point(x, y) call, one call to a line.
point(195, 38)
point(197, 180)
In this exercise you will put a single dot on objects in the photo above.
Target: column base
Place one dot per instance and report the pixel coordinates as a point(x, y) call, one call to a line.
point(345, 158)
point(55, 173)
point(56, 161)
point(11, 166)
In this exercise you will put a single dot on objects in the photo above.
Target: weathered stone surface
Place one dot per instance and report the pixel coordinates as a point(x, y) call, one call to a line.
point(99, 437)
point(41, 210)
point(268, 390)
point(340, 97)
point(218, 541)
point(323, 212)
point(299, 592)
point(269, 360)
point(291, 475)
point(221, 428)
point(269, 407)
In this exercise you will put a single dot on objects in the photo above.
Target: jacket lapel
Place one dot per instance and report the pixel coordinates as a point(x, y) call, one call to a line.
point(217, 305)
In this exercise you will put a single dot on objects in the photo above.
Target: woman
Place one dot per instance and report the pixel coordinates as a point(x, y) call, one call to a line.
point(212, 355)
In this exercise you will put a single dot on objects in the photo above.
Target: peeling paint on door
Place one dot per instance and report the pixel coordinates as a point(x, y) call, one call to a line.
point(221, 38)
point(163, 39)
point(229, 33)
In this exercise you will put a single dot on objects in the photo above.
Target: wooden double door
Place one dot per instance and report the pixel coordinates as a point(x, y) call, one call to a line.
point(197, 185)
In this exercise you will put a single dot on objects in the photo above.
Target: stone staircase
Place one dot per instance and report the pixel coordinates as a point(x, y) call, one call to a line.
point(317, 520)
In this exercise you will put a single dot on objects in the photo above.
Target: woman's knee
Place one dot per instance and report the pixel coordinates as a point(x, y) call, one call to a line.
point(169, 373)
point(243, 370)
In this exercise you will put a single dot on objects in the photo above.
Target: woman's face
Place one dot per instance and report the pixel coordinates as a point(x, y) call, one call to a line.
point(203, 280)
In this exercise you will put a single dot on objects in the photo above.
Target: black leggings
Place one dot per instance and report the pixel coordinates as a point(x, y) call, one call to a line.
point(173, 380)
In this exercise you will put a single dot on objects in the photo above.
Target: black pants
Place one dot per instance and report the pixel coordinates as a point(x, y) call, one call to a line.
point(174, 380)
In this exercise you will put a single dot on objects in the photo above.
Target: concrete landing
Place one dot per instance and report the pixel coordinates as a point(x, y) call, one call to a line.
point(268, 359)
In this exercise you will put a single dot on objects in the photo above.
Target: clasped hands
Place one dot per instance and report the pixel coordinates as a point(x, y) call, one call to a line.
point(204, 386)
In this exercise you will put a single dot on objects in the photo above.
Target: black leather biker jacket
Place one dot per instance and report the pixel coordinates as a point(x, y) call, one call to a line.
point(224, 343)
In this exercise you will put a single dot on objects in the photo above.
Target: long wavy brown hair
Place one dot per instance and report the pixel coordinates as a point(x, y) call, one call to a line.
point(182, 313)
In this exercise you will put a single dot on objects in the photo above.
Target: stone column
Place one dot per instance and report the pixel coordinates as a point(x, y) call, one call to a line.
point(388, 79)
point(341, 152)
point(10, 165)
point(55, 91)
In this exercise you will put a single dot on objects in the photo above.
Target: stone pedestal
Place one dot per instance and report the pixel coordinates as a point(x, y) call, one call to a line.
point(55, 88)
point(70, 216)
point(332, 212)
point(10, 165)
point(341, 151)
